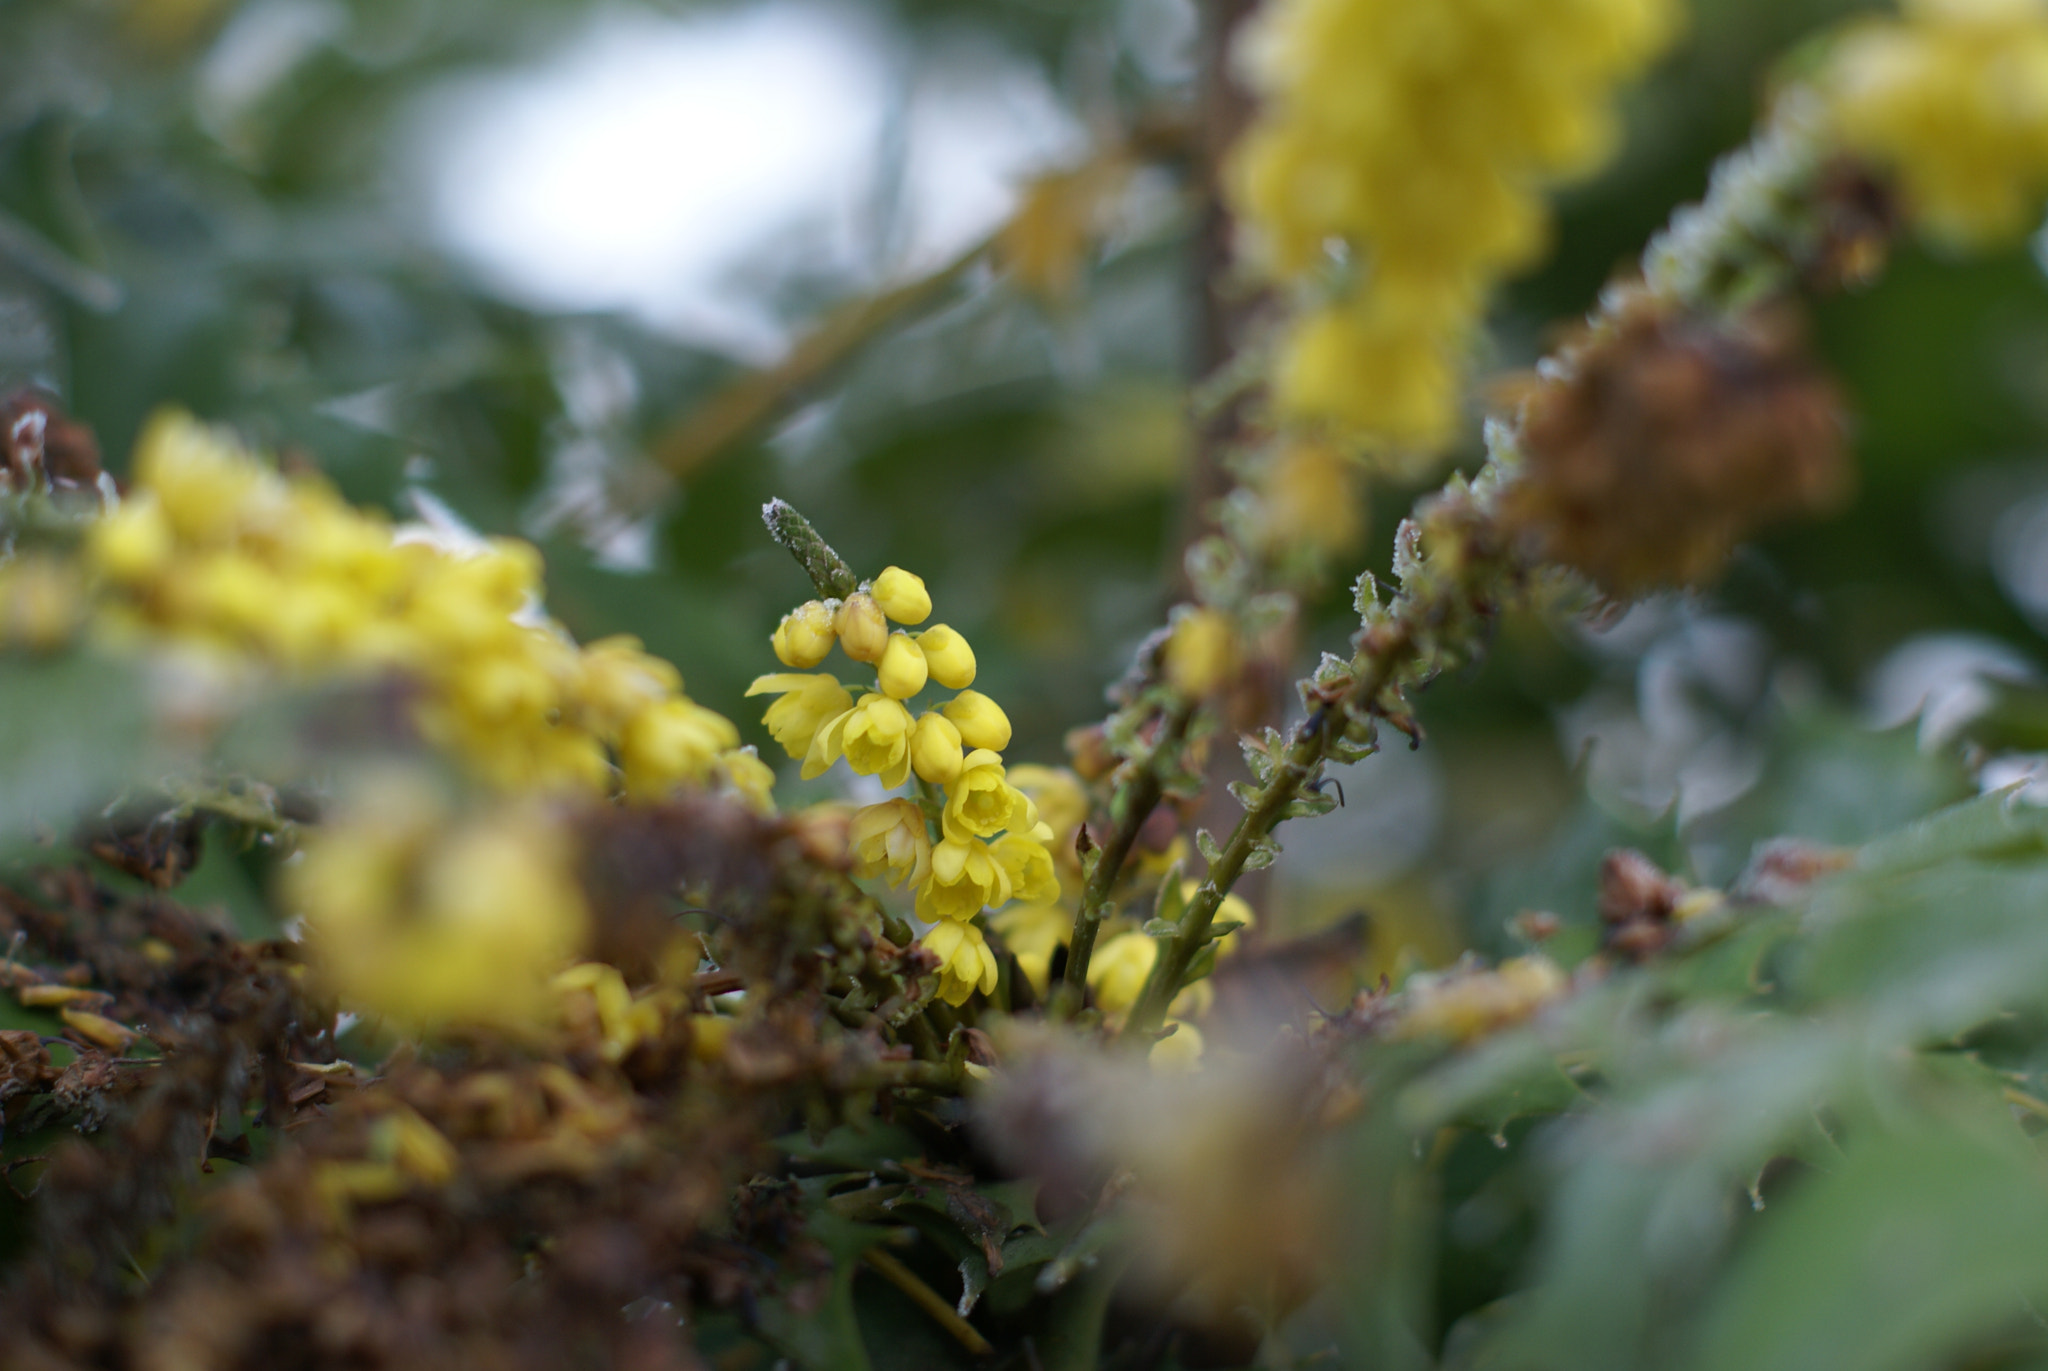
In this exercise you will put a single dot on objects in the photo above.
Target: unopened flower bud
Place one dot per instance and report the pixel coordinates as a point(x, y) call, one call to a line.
point(981, 721)
point(950, 658)
point(935, 749)
point(805, 636)
point(902, 669)
point(863, 632)
point(902, 596)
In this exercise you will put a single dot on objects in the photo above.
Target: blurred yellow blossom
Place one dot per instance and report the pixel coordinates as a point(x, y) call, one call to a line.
point(1953, 97)
point(966, 963)
point(1201, 652)
point(1118, 971)
point(889, 839)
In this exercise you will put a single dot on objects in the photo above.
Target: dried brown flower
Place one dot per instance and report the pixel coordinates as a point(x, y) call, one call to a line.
point(1663, 438)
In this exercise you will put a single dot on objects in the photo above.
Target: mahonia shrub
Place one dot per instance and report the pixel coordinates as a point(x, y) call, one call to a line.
point(391, 977)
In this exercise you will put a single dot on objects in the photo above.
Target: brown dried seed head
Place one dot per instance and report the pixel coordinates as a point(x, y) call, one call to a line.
point(1665, 438)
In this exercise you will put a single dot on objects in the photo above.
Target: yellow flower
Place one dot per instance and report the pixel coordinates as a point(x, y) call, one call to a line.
point(902, 596)
point(1057, 792)
point(1464, 1005)
point(935, 750)
point(132, 544)
point(902, 671)
point(205, 484)
point(808, 703)
point(981, 721)
point(965, 878)
point(1033, 933)
point(434, 920)
point(873, 736)
point(889, 839)
point(1029, 867)
point(805, 636)
point(980, 803)
point(1180, 1052)
point(1953, 97)
point(947, 654)
point(1201, 652)
point(966, 963)
point(676, 740)
point(863, 632)
point(1416, 137)
point(616, 679)
point(742, 773)
point(1119, 969)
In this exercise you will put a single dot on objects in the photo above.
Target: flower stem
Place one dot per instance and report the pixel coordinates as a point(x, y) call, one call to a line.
point(1137, 798)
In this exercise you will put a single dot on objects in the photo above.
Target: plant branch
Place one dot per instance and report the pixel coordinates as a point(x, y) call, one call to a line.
point(929, 1300)
point(1137, 798)
point(828, 571)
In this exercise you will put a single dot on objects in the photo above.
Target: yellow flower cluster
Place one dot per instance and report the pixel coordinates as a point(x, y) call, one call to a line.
point(1399, 155)
point(432, 918)
point(1466, 1004)
point(220, 554)
point(991, 840)
point(1953, 97)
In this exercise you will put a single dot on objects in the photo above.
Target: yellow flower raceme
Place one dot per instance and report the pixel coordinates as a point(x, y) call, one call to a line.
point(889, 839)
point(965, 878)
point(1416, 136)
point(902, 596)
point(808, 703)
point(981, 721)
point(1952, 96)
point(966, 963)
point(873, 736)
point(980, 803)
point(805, 636)
point(216, 552)
point(742, 773)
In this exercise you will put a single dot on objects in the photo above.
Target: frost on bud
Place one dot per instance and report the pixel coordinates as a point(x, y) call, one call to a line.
point(935, 749)
point(902, 596)
point(1202, 653)
point(863, 632)
point(950, 658)
point(805, 636)
point(981, 721)
point(902, 670)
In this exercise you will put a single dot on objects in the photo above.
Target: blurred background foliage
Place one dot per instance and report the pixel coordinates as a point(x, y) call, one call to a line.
point(271, 212)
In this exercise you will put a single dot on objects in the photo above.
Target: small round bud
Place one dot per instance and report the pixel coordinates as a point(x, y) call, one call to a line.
point(805, 635)
point(902, 669)
point(950, 658)
point(981, 721)
point(902, 596)
point(935, 749)
point(863, 632)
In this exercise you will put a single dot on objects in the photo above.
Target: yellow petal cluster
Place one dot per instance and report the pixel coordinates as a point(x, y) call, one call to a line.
point(217, 552)
point(433, 918)
point(1392, 179)
point(975, 844)
point(1952, 97)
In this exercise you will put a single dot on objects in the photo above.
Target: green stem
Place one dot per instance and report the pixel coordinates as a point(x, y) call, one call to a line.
point(1138, 798)
point(828, 571)
point(1376, 665)
point(929, 1300)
